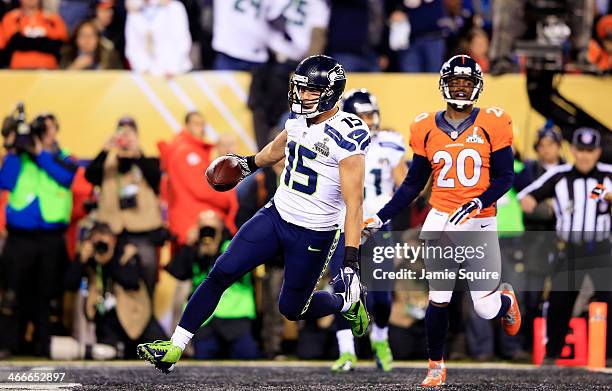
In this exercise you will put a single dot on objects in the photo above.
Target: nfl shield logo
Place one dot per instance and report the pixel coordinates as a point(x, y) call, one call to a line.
point(454, 134)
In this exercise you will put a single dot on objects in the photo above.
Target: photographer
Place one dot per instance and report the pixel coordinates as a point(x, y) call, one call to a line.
point(38, 175)
point(128, 200)
point(228, 333)
point(117, 299)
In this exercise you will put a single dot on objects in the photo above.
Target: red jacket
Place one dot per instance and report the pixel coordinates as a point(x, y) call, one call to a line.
point(185, 160)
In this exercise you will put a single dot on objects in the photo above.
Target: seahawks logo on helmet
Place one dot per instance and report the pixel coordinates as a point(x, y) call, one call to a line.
point(337, 73)
point(461, 66)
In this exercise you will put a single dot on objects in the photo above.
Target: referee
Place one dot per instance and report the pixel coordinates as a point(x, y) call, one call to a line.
point(582, 229)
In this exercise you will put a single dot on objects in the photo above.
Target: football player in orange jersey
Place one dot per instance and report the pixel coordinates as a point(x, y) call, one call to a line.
point(468, 151)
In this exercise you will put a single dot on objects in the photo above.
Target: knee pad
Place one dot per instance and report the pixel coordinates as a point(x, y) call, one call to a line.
point(440, 296)
point(486, 304)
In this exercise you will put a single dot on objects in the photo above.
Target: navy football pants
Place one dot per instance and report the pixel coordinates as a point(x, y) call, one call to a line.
point(306, 254)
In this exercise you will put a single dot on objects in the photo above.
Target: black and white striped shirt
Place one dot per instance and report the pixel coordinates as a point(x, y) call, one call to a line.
point(579, 217)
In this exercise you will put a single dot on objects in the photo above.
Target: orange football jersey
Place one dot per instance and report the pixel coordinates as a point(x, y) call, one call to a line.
point(460, 159)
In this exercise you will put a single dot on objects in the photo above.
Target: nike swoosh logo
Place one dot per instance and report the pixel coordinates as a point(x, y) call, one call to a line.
point(484, 226)
point(157, 355)
point(313, 249)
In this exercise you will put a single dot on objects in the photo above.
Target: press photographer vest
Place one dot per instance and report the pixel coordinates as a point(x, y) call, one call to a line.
point(146, 216)
point(54, 200)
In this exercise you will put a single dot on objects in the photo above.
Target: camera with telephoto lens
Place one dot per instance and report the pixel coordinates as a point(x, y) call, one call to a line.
point(207, 233)
point(15, 124)
point(127, 196)
point(100, 247)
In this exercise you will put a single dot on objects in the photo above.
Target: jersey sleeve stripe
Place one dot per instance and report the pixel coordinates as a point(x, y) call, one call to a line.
point(388, 144)
point(337, 137)
point(365, 143)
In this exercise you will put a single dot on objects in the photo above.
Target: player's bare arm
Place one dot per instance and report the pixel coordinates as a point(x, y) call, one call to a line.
point(268, 156)
point(352, 170)
point(273, 152)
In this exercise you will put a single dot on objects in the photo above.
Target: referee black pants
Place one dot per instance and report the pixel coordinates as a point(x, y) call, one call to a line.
point(573, 265)
point(32, 284)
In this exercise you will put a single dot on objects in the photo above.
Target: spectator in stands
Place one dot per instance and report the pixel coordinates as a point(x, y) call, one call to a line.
point(427, 36)
point(38, 175)
point(242, 44)
point(541, 219)
point(298, 30)
point(88, 50)
point(186, 157)
point(128, 200)
point(600, 48)
point(32, 38)
point(109, 19)
point(117, 302)
point(477, 47)
point(74, 12)
point(157, 37)
point(355, 34)
point(229, 328)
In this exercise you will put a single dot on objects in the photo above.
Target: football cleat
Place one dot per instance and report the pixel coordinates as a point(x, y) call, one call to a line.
point(162, 354)
point(345, 363)
point(382, 355)
point(358, 317)
point(511, 322)
point(436, 374)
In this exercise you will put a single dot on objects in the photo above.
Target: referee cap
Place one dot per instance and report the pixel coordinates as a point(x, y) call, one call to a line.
point(587, 138)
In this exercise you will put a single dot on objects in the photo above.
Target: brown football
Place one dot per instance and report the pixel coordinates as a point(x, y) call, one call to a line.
point(224, 173)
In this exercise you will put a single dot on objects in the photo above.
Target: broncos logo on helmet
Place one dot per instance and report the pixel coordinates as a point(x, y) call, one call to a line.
point(461, 66)
point(321, 73)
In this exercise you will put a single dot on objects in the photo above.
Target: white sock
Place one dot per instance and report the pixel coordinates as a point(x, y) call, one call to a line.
point(346, 342)
point(379, 334)
point(181, 337)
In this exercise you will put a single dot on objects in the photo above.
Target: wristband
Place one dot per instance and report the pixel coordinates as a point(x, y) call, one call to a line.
point(351, 257)
point(251, 163)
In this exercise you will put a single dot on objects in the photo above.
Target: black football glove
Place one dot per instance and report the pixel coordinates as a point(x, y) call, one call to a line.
point(247, 164)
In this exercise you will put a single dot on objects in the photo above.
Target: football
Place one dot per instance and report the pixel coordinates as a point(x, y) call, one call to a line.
point(224, 173)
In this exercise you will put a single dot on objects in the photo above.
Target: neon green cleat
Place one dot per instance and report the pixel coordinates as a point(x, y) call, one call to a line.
point(345, 363)
point(358, 317)
point(162, 354)
point(382, 355)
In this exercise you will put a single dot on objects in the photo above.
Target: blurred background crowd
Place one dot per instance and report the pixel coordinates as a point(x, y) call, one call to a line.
point(170, 37)
point(84, 243)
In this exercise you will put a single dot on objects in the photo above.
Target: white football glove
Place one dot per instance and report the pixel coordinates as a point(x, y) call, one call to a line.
point(371, 225)
point(466, 211)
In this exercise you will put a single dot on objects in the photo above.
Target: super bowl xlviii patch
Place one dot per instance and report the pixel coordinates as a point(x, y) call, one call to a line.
point(474, 137)
point(321, 148)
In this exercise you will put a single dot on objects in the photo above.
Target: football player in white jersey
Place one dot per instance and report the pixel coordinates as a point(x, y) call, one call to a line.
point(321, 193)
point(385, 169)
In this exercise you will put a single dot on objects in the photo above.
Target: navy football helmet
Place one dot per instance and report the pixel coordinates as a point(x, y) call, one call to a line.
point(461, 66)
point(361, 102)
point(321, 73)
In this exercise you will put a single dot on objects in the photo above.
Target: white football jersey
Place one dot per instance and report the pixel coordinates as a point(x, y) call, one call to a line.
point(309, 192)
point(386, 151)
point(300, 18)
point(240, 28)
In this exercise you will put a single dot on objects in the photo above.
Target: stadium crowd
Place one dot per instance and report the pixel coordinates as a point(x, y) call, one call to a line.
point(88, 235)
point(170, 37)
